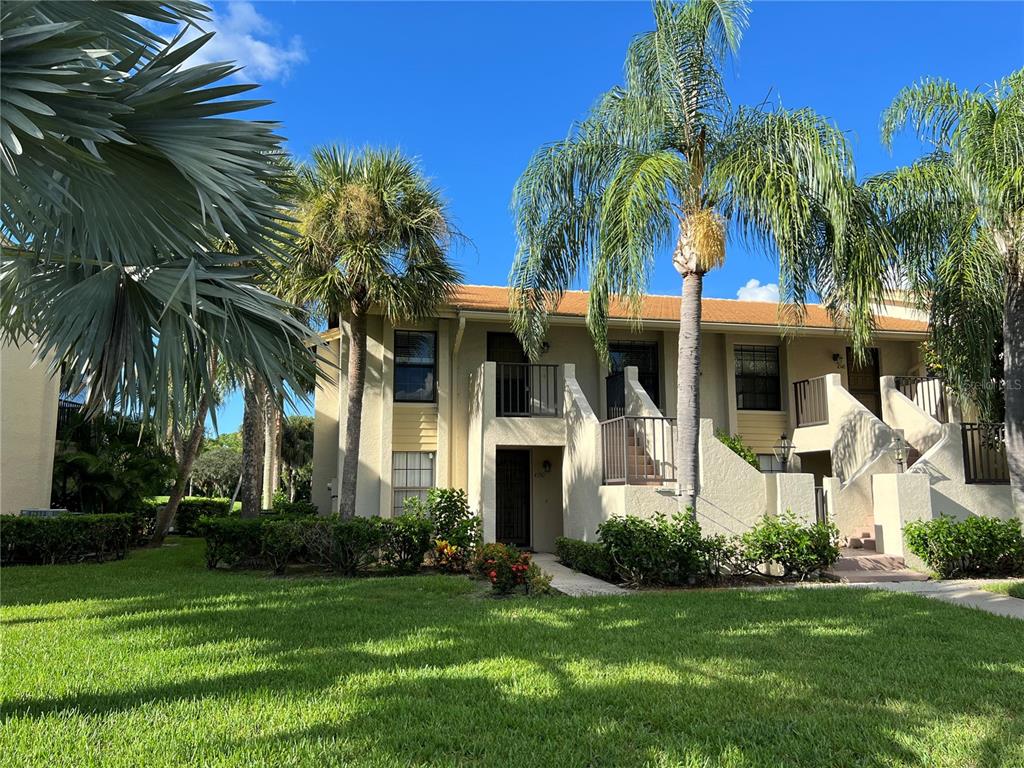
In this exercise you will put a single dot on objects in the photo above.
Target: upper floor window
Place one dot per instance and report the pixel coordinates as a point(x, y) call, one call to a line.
point(757, 378)
point(415, 366)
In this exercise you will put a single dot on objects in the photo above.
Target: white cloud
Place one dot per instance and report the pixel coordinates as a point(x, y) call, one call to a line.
point(250, 40)
point(754, 291)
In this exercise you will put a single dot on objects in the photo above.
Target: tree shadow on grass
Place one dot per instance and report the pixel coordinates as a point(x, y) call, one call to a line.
point(410, 671)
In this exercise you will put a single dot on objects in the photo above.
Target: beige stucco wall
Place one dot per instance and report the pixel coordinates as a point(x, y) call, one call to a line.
point(464, 432)
point(28, 429)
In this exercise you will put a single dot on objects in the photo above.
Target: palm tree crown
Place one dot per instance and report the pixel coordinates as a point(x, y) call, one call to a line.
point(665, 162)
point(374, 232)
point(956, 222)
point(123, 168)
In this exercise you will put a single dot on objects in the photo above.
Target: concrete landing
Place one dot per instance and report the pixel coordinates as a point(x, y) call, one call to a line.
point(574, 583)
point(865, 566)
point(967, 593)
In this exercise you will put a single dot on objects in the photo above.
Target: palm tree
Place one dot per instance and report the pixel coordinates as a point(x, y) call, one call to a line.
point(123, 168)
point(665, 162)
point(373, 232)
point(956, 217)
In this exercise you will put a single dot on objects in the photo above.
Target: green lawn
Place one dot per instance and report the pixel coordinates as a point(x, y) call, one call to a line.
point(1013, 589)
point(154, 661)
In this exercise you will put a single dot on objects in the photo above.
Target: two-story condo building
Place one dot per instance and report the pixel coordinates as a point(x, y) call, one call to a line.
point(554, 447)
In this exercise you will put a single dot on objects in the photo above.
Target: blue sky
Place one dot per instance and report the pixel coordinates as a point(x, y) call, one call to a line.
point(472, 89)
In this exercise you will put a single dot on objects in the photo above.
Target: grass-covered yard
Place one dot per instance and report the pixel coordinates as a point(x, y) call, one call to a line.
point(1011, 588)
point(155, 661)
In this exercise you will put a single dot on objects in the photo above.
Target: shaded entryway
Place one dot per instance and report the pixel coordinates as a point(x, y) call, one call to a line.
point(512, 497)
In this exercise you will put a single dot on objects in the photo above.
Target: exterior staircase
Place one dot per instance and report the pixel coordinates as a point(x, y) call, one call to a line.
point(641, 469)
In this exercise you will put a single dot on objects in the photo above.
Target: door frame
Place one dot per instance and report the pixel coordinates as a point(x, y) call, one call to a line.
point(528, 543)
point(876, 389)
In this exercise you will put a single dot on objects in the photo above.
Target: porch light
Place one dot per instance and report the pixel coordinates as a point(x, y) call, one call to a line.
point(898, 450)
point(783, 450)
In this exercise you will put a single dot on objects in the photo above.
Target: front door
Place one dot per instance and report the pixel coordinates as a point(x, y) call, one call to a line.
point(862, 380)
point(644, 355)
point(512, 508)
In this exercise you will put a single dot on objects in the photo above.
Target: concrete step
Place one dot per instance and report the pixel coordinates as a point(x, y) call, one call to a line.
point(861, 561)
point(870, 577)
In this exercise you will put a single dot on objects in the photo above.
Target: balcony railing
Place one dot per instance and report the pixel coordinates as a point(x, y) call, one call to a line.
point(927, 392)
point(638, 450)
point(527, 390)
point(810, 400)
point(985, 453)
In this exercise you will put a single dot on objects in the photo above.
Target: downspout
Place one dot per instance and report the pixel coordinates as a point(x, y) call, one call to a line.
point(454, 359)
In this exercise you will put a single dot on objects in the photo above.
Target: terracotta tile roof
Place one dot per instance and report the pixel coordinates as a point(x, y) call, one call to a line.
point(491, 298)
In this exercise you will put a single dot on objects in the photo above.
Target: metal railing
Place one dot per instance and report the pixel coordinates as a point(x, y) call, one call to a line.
point(927, 392)
point(985, 453)
point(528, 390)
point(820, 505)
point(638, 450)
point(615, 394)
point(810, 400)
point(66, 411)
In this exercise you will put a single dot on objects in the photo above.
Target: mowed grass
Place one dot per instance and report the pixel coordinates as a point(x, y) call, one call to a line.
point(154, 661)
point(1011, 588)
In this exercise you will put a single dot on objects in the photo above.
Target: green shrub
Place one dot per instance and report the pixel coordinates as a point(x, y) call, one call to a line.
point(355, 544)
point(976, 546)
point(736, 445)
point(589, 557)
point(286, 508)
point(796, 549)
point(66, 538)
point(457, 530)
point(406, 541)
point(657, 550)
point(145, 519)
point(282, 542)
point(504, 566)
point(717, 555)
point(232, 541)
point(191, 508)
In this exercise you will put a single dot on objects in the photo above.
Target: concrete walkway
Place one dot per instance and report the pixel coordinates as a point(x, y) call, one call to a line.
point(574, 583)
point(967, 593)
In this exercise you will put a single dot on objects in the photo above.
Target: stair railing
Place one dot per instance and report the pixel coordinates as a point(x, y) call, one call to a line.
point(927, 392)
point(638, 450)
point(810, 398)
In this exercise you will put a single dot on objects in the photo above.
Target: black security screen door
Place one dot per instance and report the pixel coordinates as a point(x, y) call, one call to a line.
point(863, 382)
point(644, 355)
point(512, 510)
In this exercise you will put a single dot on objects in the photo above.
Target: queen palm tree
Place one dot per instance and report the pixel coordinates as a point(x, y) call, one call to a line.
point(666, 163)
point(123, 167)
point(373, 232)
point(956, 217)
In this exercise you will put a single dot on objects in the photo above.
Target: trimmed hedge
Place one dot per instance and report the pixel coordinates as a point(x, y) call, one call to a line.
point(975, 546)
point(67, 538)
point(287, 508)
point(589, 557)
point(191, 508)
point(672, 551)
point(407, 539)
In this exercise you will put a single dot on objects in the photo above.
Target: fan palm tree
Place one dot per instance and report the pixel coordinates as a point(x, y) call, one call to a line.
point(373, 232)
point(123, 168)
point(956, 218)
point(665, 163)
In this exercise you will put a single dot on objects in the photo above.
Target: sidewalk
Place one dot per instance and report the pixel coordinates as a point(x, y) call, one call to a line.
point(967, 593)
point(573, 583)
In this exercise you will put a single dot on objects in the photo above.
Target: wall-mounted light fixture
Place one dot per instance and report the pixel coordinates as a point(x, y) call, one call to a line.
point(545, 347)
point(546, 466)
point(838, 360)
point(898, 449)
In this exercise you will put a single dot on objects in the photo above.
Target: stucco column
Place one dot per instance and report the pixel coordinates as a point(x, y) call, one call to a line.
point(442, 467)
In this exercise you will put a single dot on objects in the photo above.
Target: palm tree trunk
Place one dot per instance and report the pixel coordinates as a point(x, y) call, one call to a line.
point(688, 391)
point(1013, 378)
point(269, 447)
point(253, 430)
point(353, 429)
point(190, 449)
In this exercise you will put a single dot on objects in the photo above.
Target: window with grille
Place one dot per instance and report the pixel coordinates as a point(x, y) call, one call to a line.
point(412, 475)
point(757, 378)
point(415, 366)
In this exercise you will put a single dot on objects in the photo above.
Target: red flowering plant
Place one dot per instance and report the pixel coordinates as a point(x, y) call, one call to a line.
point(505, 567)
